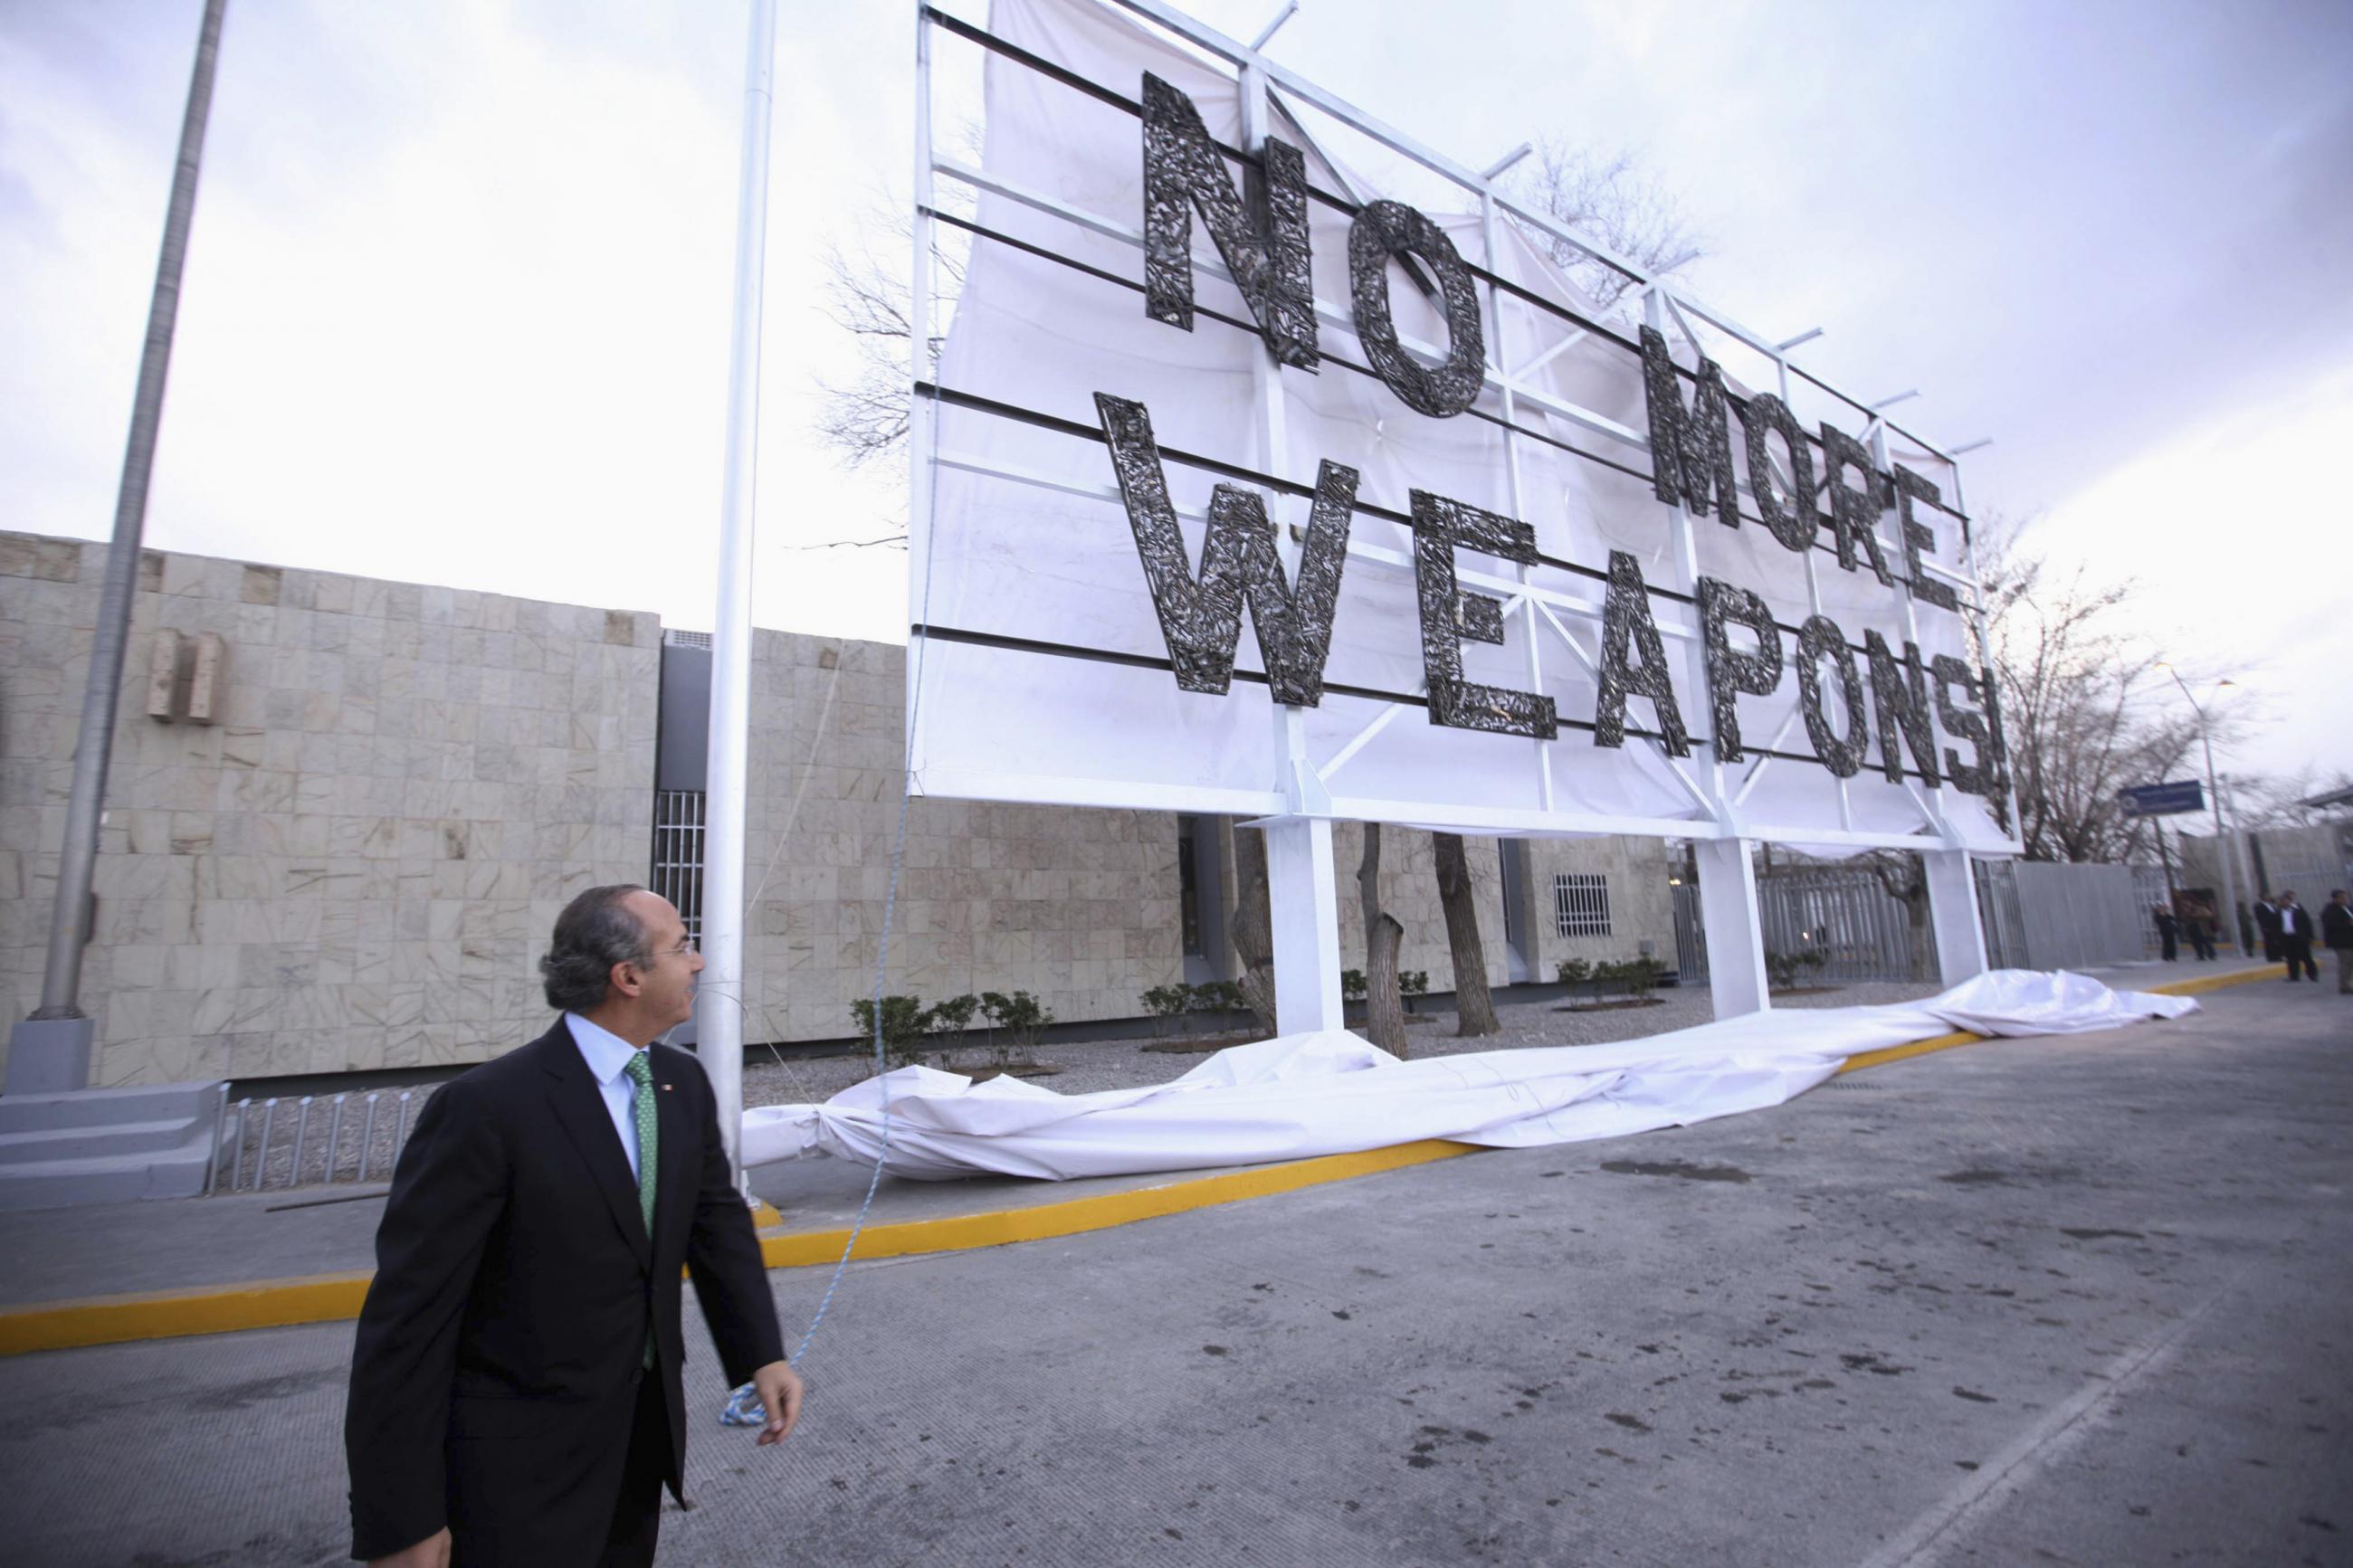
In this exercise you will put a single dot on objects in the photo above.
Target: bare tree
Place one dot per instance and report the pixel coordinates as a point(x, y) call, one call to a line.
point(1384, 1002)
point(1610, 198)
point(2086, 711)
point(1251, 929)
point(2285, 800)
point(1904, 877)
point(1474, 1008)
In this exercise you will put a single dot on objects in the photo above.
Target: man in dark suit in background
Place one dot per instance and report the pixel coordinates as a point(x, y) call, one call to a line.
point(2336, 931)
point(516, 1395)
point(2267, 920)
point(2295, 935)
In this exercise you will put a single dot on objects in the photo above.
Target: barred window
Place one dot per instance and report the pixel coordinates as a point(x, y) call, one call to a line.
point(1581, 903)
point(677, 853)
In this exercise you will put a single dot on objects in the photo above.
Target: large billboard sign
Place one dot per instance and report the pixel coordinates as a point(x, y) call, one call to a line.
point(1512, 561)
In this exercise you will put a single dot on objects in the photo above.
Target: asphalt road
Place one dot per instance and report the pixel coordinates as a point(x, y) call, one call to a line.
point(2042, 1302)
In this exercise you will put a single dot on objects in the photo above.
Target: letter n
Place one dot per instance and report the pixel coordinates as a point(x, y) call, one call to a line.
point(1182, 170)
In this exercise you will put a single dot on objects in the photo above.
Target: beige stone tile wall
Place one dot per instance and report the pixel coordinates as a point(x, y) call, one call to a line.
point(358, 866)
point(1078, 907)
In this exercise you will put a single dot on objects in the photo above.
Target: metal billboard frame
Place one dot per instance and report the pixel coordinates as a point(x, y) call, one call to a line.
point(1297, 809)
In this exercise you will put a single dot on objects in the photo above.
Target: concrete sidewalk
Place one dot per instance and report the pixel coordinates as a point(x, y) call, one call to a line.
point(124, 1255)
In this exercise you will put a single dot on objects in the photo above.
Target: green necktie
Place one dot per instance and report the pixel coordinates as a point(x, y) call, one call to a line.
point(641, 1073)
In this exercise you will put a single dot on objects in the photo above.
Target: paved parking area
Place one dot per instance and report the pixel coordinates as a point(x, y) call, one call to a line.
point(2073, 1302)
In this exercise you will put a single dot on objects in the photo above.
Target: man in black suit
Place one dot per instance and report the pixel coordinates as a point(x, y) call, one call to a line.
point(2336, 931)
point(2267, 920)
point(516, 1395)
point(2295, 935)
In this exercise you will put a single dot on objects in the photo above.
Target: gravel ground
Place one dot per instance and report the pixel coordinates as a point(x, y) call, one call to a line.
point(1091, 1065)
point(1086, 1066)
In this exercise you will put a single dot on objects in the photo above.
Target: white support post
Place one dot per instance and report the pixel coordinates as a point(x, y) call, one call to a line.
point(1953, 915)
point(1302, 897)
point(1735, 936)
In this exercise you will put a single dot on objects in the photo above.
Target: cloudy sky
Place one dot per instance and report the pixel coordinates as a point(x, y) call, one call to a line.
point(459, 293)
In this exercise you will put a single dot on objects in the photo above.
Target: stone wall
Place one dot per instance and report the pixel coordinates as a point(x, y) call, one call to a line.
point(1078, 907)
point(358, 866)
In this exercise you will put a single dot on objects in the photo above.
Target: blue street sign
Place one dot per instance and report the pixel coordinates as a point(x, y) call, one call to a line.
point(2163, 800)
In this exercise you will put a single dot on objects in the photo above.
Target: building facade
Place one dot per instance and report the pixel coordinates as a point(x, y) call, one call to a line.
point(342, 813)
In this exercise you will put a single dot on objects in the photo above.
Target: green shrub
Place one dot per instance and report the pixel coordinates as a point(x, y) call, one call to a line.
point(904, 1021)
point(1019, 1015)
point(1574, 971)
point(1218, 997)
point(1167, 1003)
point(1353, 984)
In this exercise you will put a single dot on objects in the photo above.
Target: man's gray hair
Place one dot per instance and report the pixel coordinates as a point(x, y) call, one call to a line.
point(595, 933)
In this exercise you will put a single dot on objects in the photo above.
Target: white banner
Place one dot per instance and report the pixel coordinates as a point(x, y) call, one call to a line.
point(1047, 675)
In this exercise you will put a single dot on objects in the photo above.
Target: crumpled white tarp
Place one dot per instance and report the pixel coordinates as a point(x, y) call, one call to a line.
point(1332, 1092)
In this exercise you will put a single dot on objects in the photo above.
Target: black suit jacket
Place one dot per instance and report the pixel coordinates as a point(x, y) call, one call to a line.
point(2295, 924)
point(495, 1373)
point(2267, 919)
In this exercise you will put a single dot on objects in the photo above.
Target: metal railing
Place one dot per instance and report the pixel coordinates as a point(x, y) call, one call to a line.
point(310, 1140)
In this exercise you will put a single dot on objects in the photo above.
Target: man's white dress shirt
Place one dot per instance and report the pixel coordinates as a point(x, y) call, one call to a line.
point(607, 1056)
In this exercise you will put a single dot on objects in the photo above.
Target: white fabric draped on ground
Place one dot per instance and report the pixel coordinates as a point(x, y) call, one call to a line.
point(1329, 1093)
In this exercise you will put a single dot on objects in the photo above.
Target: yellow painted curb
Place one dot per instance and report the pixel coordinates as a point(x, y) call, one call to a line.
point(2192, 987)
point(1039, 1221)
point(335, 1298)
point(1897, 1053)
point(167, 1314)
point(1963, 1038)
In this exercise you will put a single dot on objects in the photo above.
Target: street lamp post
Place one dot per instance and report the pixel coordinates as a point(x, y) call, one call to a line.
point(2222, 846)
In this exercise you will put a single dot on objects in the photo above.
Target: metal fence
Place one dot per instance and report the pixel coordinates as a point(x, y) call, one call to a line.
point(259, 1145)
point(1998, 914)
point(1846, 915)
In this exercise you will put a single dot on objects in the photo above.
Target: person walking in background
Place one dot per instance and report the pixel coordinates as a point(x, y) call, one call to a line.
point(2267, 920)
point(2202, 926)
point(2167, 929)
point(2295, 935)
point(2336, 931)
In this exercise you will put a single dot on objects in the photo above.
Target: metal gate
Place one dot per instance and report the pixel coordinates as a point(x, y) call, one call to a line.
point(1844, 914)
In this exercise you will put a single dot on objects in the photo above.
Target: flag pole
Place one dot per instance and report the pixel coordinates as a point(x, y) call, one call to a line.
point(722, 1003)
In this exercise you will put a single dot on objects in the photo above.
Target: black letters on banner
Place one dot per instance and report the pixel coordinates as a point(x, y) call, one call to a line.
point(1182, 168)
point(1899, 691)
point(1690, 452)
point(1730, 673)
point(1818, 639)
point(1626, 619)
point(1793, 520)
point(1854, 513)
point(1449, 615)
point(1201, 620)
point(1384, 230)
point(1919, 538)
point(1966, 723)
